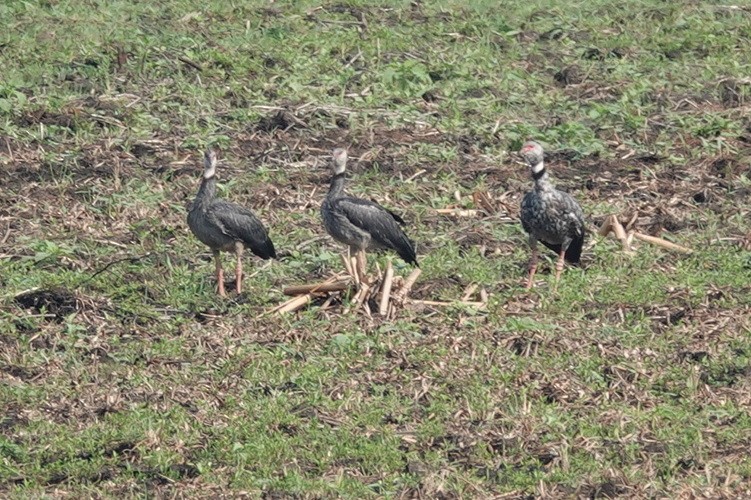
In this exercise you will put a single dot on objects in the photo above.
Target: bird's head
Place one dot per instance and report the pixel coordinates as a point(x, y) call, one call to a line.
point(532, 153)
point(209, 164)
point(339, 163)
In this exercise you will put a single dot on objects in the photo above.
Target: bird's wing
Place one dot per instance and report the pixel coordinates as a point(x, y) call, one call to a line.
point(240, 223)
point(368, 216)
point(396, 216)
point(571, 210)
point(527, 208)
point(393, 214)
point(380, 223)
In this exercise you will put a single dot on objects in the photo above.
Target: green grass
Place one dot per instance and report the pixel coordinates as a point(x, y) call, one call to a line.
point(129, 377)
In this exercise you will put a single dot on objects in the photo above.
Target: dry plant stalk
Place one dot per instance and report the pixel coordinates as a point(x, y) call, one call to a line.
point(304, 293)
point(662, 243)
point(327, 286)
point(384, 284)
point(482, 200)
point(383, 307)
point(293, 304)
point(350, 265)
point(612, 223)
point(632, 221)
point(606, 227)
point(630, 238)
point(620, 233)
point(408, 284)
point(473, 303)
point(468, 292)
point(362, 293)
point(458, 212)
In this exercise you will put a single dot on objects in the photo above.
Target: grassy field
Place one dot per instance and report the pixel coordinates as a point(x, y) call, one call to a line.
point(123, 374)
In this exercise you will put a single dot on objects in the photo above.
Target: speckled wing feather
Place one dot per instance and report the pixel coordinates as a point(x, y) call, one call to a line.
point(395, 215)
point(552, 218)
point(572, 213)
point(240, 223)
point(380, 223)
point(528, 210)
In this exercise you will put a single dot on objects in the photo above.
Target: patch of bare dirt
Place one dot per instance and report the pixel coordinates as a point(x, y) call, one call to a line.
point(734, 93)
point(41, 116)
point(281, 120)
point(570, 75)
point(440, 287)
point(58, 302)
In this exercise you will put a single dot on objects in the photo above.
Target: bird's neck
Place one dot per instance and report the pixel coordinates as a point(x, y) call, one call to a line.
point(336, 189)
point(206, 193)
point(540, 176)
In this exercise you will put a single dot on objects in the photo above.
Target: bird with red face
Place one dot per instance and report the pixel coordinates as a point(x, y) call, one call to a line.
point(550, 216)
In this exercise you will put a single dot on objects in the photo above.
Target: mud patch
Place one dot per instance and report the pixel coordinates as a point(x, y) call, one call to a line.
point(44, 117)
point(56, 301)
point(570, 75)
point(441, 287)
point(734, 93)
point(281, 120)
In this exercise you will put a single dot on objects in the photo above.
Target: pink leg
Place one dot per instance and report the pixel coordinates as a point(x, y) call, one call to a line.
point(532, 267)
point(239, 267)
point(559, 268)
point(219, 273)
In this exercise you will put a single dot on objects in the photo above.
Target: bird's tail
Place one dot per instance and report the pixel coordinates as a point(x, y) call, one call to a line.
point(407, 252)
point(574, 250)
point(264, 250)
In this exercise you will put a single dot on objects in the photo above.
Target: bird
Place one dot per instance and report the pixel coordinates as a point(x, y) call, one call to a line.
point(550, 216)
point(226, 226)
point(361, 224)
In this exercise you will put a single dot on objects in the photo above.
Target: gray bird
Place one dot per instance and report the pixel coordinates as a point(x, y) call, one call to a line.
point(550, 216)
point(225, 226)
point(361, 224)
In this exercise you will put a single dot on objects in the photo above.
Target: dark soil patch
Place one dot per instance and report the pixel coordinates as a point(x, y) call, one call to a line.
point(724, 167)
point(10, 144)
point(433, 289)
point(140, 150)
point(116, 449)
point(41, 116)
point(570, 75)
point(606, 489)
point(617, 168)
point(57, 301)
point(596, 54)
point(473, 238)
point(10, 418)
point(103, 474)
point(281, 120)
point(20, 372)
point(734, 93)
point(694, 356)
